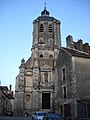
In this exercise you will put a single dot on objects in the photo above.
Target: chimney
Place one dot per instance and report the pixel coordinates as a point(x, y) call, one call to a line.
point(80, 45)
point(75, 45)
point(86, 47)
point(69, 41)
point(10, 87)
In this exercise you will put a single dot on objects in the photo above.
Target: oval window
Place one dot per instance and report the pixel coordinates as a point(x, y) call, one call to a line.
point(41, 56)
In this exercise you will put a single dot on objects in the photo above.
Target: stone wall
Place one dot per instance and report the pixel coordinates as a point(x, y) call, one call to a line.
point(76, 81)
point(82, 68)
point(64, 61)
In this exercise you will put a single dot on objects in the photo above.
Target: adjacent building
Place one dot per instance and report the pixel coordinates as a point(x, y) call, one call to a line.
point(35, 83)
point(6, 98)
point(73, 70)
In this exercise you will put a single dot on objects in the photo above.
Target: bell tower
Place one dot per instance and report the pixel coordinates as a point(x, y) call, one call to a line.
point(45, 49)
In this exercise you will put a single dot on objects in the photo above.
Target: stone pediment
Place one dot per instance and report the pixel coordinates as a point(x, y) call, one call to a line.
point(46, 67)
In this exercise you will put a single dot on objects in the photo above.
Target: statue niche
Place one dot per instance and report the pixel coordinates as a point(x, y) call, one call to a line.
point(50, 43)
point(41, 41)
point(46, 76)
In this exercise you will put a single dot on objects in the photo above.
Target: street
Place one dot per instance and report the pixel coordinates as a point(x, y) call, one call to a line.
point(15, 118)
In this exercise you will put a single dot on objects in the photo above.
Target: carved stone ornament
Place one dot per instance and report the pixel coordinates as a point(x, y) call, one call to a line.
point(35, 86)
point(21, 85)
point(50, 43)
point(51, 56)
point(46, 67)
point(35, 81)
point(41, 41)
point(27, 97)
point(46, 54)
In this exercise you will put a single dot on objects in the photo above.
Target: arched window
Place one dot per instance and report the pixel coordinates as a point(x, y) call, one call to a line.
point(41, 28)
point(50, 28)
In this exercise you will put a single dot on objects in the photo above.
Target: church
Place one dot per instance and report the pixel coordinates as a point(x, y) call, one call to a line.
point(35, 84)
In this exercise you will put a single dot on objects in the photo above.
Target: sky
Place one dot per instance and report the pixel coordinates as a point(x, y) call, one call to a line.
point(16, 27)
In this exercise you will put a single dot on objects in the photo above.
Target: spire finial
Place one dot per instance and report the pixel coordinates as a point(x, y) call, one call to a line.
point(45, 5)
point(45, 12)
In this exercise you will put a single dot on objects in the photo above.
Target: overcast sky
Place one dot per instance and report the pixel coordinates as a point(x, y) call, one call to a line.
point(16, 18)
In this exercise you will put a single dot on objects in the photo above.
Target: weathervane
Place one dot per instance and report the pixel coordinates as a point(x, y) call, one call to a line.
point(45, 4)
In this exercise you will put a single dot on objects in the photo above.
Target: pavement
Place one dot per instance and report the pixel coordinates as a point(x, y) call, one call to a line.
point(15, 118)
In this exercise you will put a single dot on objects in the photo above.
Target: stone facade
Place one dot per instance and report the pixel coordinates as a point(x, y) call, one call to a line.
point(73, 95)
point(35, 83)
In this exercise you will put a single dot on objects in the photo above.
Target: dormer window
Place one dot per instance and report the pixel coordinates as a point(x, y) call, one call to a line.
point(50, 28)
point(41, 28)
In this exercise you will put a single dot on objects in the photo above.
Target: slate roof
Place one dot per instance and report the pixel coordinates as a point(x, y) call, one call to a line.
point(77, 53)
point(28, 63)
point(46, 18)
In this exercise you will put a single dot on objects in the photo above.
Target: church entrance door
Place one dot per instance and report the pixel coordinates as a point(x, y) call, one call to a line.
point(45, 100)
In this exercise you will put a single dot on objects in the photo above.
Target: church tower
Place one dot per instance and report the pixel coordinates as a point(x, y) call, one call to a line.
point(35, 83)
point(46, 44)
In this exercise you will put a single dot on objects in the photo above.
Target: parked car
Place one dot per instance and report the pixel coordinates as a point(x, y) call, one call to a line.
point(39, 115)
point(53, 116)
point(51, 111)
point(61, 116)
